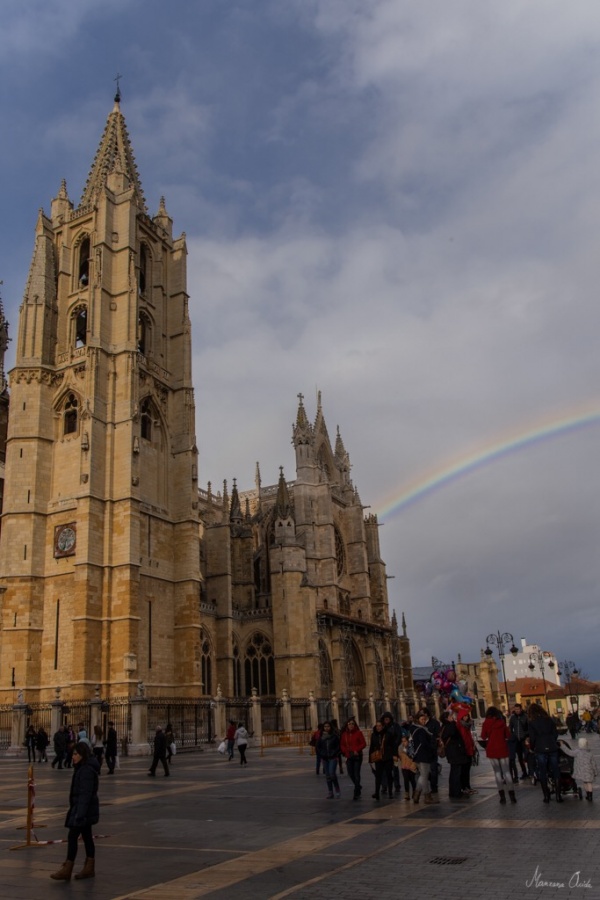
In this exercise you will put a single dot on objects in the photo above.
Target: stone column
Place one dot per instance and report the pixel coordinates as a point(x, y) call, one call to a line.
point(17, 730)
point(95, 711)
point(335, 710)
point(286, 710)
point(56, 720)
point(139, 745)
point(256, 718)
point(372, 711)
point(314, 712)
point(354, 707)
point(402, 706)
point(220, 715)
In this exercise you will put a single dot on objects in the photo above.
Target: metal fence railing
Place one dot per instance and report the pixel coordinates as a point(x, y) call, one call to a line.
point(5, 726)
point(192, 722)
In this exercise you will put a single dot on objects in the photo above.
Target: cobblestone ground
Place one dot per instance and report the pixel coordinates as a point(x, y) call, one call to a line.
point(215, 829)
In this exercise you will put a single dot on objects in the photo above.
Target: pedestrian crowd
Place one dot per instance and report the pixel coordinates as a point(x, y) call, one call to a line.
point(409, 749)
point(64, 740)
point(407, 754)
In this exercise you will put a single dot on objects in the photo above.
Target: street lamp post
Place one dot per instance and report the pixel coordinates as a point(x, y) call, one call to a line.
point(499, 640)
point(538, 656)
point(568, 668)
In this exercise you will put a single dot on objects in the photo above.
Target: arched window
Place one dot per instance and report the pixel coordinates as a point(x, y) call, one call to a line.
point(83, 276)
point(143, 274)
point(259, 666)
point(237, 672)
point(144, 334)
point(206, 665)
point(71, 412)
point(146, 419)
point(379, 679)
point(262, 576)
point(344, 602)
point(355, 673)
point(340, 552)
point(325, 670)
point(79, 318)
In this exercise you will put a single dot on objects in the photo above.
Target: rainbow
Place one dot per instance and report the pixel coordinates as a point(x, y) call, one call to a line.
point(426, 484)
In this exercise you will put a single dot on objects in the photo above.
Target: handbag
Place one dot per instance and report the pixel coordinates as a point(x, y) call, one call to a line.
point(441, 748)
point(173, 748)
point(483, 742)
point(222, 747)
point(376, 756)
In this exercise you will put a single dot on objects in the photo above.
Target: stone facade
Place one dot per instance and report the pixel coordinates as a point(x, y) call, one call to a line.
point(115, 568)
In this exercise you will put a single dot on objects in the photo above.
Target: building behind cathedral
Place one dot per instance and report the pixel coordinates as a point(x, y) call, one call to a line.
point(116, 568)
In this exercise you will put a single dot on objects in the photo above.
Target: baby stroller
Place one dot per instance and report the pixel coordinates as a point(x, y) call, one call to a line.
point(567, 784)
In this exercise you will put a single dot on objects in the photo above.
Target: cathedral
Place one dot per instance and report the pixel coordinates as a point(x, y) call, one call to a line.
point(116, 568)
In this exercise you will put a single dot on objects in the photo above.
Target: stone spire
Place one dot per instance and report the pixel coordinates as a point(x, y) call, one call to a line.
point(283, 507)
point(61, 204)
point(163, 219)
point(320, 426)
point(302, 431)
point(225, 502)
point(340, 450)
point(114, 157)
point(257, 478)
point(235, 512)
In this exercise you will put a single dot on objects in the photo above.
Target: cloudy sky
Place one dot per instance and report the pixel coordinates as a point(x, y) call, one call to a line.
point(395, 203)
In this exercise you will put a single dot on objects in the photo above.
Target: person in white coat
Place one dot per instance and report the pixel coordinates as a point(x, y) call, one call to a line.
point(585, 769)
point(241, 742)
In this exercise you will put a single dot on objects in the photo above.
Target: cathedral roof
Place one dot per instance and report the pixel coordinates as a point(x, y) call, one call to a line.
point(114, 155)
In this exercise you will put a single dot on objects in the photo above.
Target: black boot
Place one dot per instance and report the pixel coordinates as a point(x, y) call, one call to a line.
point(502, 796)
point(512, 795)
point(559, 799)
point(546, 793)
point(588, 795)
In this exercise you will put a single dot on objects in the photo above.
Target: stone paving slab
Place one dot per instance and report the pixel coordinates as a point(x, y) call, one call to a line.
point(214, 830)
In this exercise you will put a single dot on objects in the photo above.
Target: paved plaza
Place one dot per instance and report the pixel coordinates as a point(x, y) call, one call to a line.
point(217, 830)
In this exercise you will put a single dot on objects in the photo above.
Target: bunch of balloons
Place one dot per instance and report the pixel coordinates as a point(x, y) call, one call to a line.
point(444, 683)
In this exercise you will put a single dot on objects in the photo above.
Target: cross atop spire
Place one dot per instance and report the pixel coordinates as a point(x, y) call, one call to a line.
point(302, 431)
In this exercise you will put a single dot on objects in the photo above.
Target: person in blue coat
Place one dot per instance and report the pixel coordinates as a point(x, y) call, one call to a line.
point(84, 812)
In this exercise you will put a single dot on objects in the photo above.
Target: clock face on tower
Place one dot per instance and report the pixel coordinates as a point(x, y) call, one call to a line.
point(65, 540)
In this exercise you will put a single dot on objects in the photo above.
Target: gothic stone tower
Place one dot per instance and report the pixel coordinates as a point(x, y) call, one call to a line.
point(99, 544)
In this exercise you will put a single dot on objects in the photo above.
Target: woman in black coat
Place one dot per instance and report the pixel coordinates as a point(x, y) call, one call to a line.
point(456, 754)
point(328, 748)
point(543, 741)
point(382, 750)
point(84, 812)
